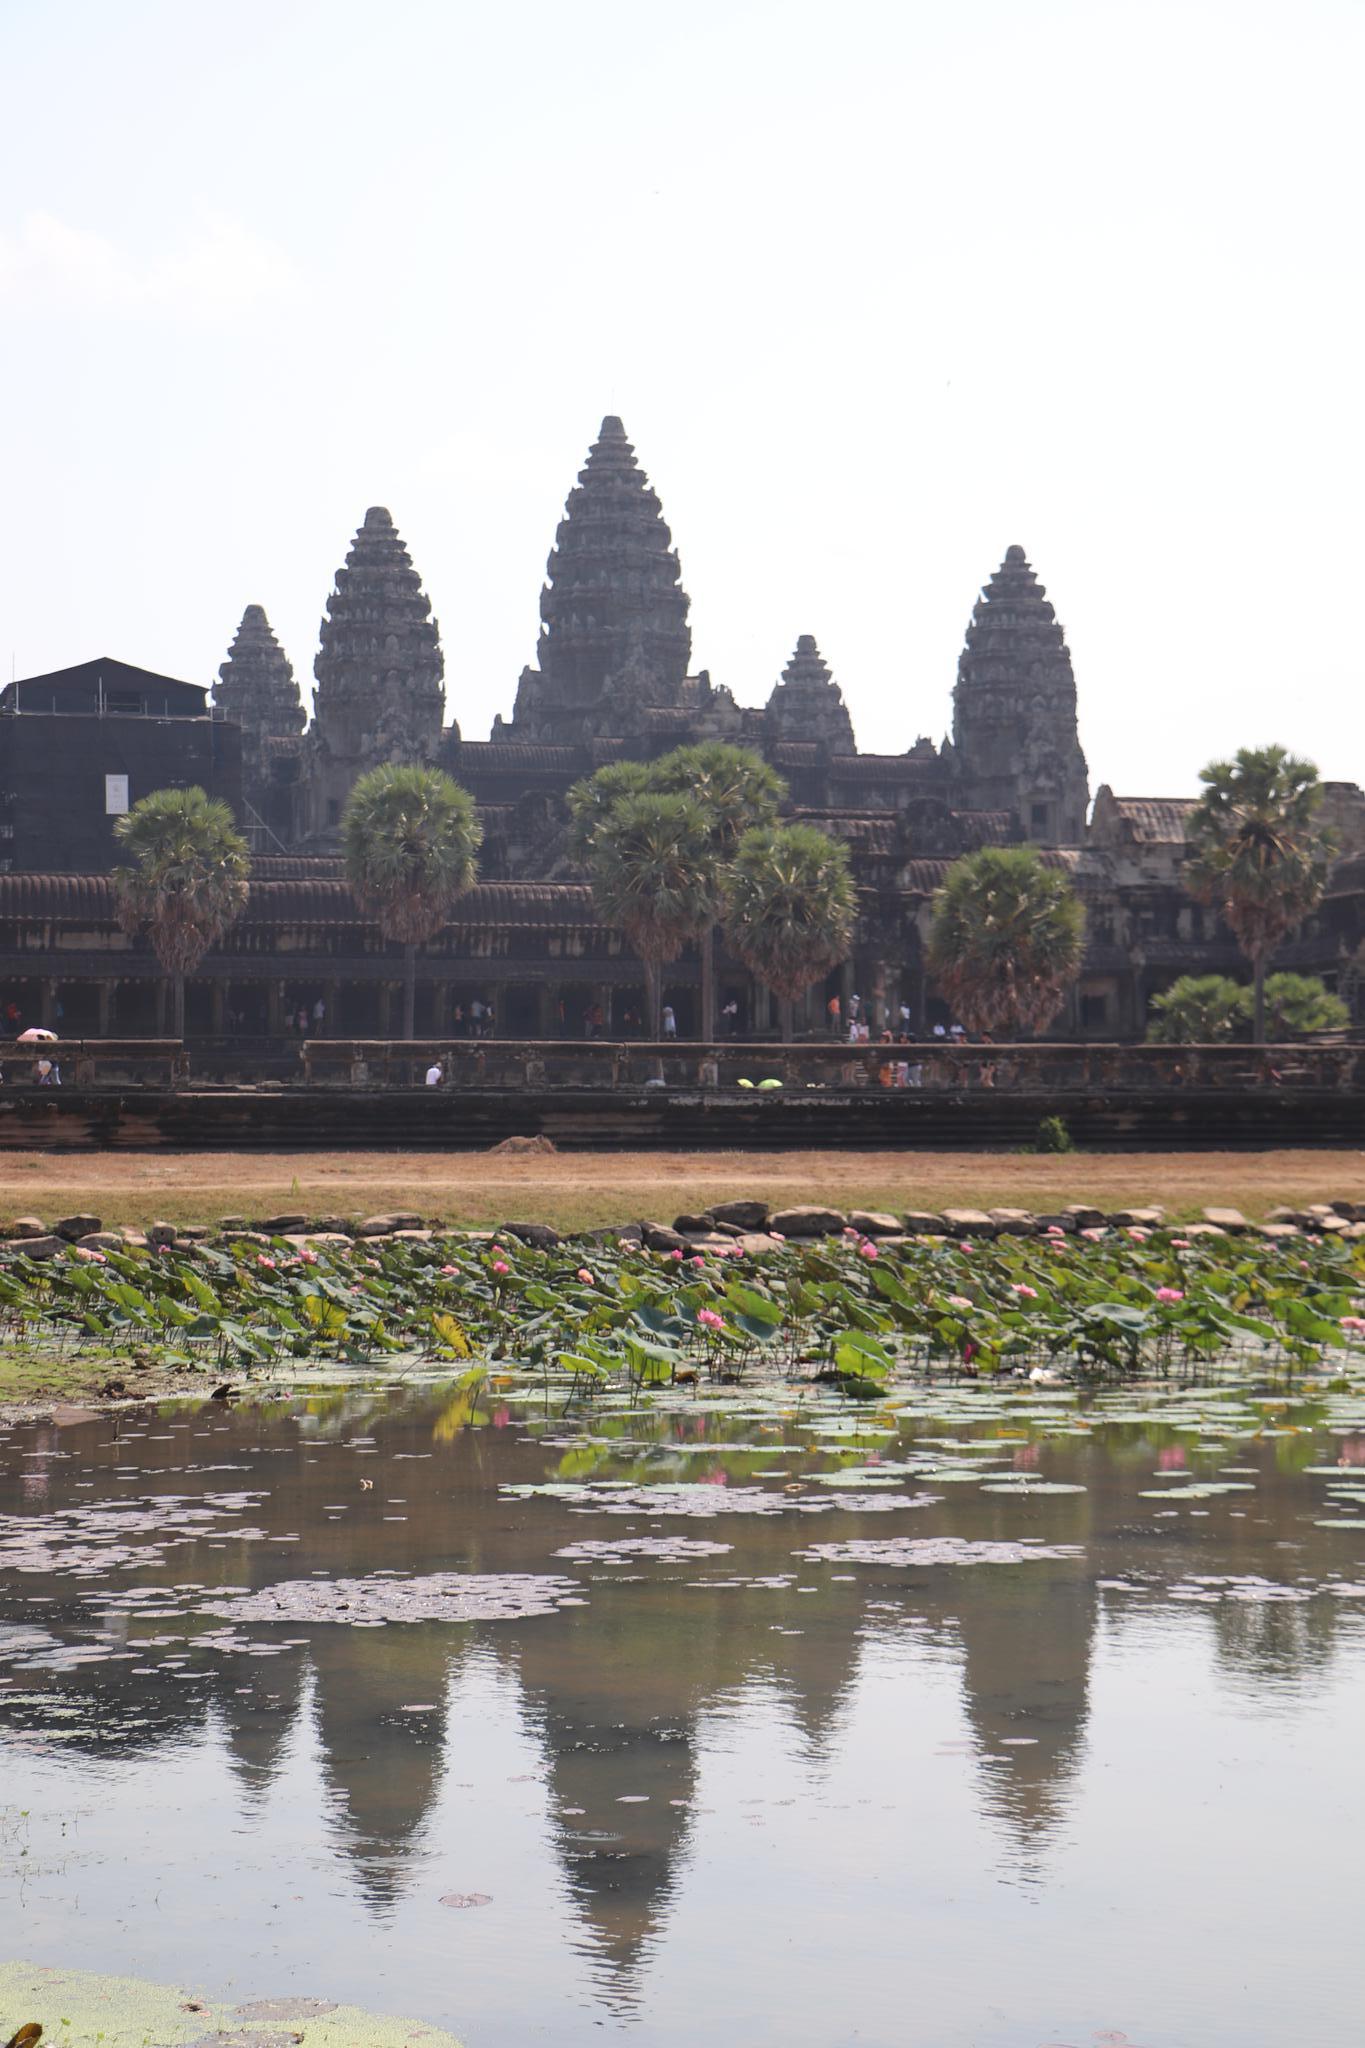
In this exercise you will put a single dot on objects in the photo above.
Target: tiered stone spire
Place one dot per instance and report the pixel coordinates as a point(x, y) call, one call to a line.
point(257, 690)
point(613, 600)
point(1014, 711)
point(808, 704)
point(379, 669)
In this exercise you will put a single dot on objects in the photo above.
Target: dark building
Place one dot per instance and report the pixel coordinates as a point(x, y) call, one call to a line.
point(612, 679)
point(80, 746)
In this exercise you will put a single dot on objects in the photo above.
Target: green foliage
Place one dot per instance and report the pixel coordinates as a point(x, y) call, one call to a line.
point(1007, 938)
point(1101, 1303)
point(631, 854)
point(791, 906)
point(651, 874)
point(1297, 1004)
point(1209, 1009)
point(1053, 1136)
point(184, 878)
point(1258, 851)
point(1198, 1009)
point(410, 837)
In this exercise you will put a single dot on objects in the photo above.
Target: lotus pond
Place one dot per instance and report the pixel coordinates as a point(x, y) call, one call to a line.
point(948, 1646)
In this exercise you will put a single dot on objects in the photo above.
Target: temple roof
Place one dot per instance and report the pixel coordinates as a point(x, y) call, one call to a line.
point(614, 634)
point(311, 898)
point(1141, 820)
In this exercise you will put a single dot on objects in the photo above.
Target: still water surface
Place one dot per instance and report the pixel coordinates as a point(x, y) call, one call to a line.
point(726, 1781)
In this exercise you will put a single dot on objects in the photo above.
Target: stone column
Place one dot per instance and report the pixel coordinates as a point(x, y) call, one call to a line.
point(47, 1005)
point(217, 1007)
point(386, 1009)
point(274, 1008)
point(106, 1009)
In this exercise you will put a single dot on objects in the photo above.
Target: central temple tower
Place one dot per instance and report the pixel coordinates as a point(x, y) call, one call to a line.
point(613, 608)
point(1014, 711)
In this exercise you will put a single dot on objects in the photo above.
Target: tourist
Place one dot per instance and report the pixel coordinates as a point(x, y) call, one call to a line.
point(435, 1074)
point(729, 1018)
point(459, 1020)
point(834, 1012)
point(670, 1022)
point(476, 1017)
point(489, 1020)
point(319, 1017)
point(939, 1031)
point(958, 1034)
point(905, 1020)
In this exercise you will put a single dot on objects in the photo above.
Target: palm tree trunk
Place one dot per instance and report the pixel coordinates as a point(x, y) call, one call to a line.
point(177, 1006)
point(409, 991)
point(708, 984)
point(654, 996)
point(1258, 966)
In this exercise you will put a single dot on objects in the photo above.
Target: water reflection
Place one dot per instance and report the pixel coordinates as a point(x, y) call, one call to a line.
point(673, 1668)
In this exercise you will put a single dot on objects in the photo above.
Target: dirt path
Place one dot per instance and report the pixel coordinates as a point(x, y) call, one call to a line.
point(577, 1189)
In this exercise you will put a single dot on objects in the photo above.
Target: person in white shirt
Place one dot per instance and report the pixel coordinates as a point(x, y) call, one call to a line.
point(670, 1022)
point(434, 1075)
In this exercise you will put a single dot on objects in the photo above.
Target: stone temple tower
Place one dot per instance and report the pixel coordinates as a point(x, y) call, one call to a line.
point(612, 606)
point(257, 690)
point(808, 705)
point(1015, 741)
point(379, 669)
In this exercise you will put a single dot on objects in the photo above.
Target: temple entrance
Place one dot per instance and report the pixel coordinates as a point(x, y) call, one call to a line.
point(78, 1009)
point(521, 1010)
point(247, 1013)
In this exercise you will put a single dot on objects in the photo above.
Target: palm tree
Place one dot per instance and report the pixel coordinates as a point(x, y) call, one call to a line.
point(1296, 1005)
point(1258, 853)
point(734, 789)
point(1006, 939)
point(411, 838)
point(790, 909)
point(739, 793)
point(185, 881)
point(649, 865)
point(1198, 1009)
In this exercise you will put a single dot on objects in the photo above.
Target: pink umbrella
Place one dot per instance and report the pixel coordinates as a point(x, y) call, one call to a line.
point(35, 1035)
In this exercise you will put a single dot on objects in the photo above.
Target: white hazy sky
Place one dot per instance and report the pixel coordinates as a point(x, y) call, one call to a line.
point(878, 287)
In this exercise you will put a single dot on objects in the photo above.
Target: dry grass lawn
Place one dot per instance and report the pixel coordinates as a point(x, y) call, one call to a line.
point(582, 1190)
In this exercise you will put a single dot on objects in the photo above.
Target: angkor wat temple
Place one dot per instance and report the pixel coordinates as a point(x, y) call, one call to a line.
point(612, 678)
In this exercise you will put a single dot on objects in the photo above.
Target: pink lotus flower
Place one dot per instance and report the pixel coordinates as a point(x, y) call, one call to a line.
point(868, 1250)
point(1353, 1323)
point(501, 1417)
point(1027, 1293)
point(676, 1252)
point(585, 1276)
point(88, 1252)
point(1054, 1230)
point(1138, 1236)
point(849, 1231)
point(264, 1259)
point(626, 1244)
point(1169, 1294)
point(696, 1260)
point(1094, 1234)
point(449, 1272)
point(778, 1236)
point(709, 1320)
point(958, 1301)
point(307, 1257)
point(1180, 1244)
point(500, 1266)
